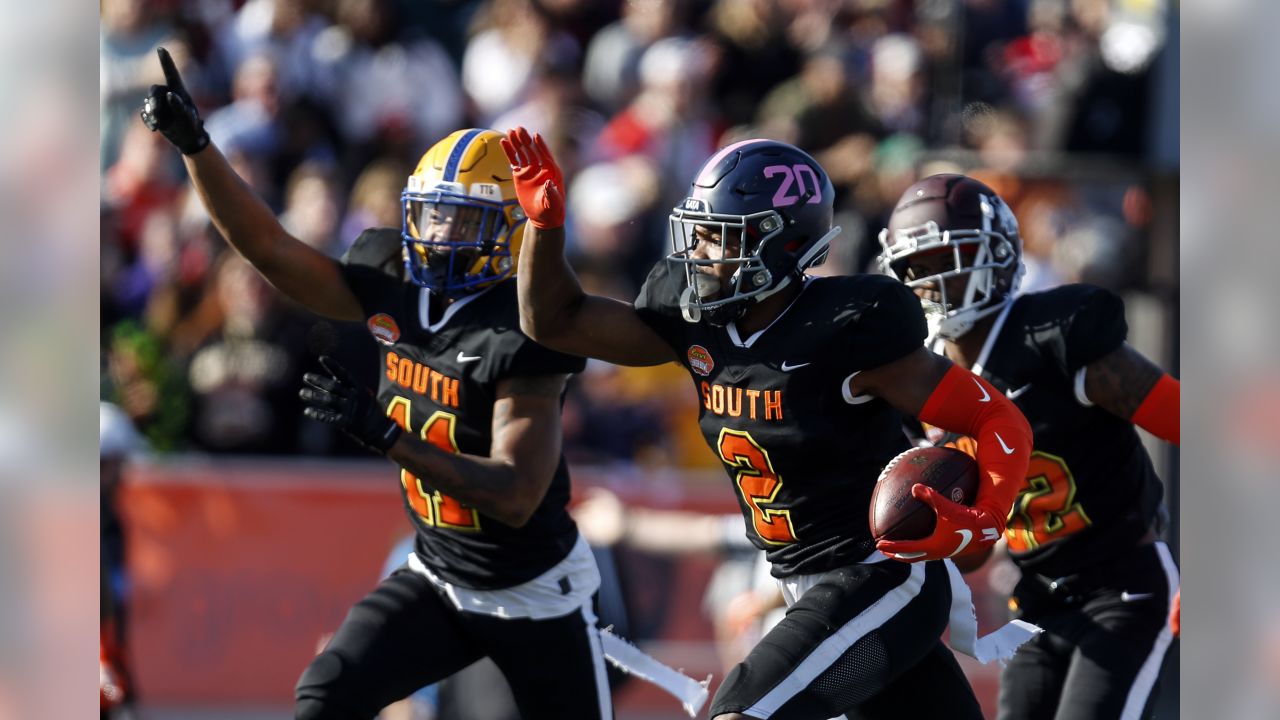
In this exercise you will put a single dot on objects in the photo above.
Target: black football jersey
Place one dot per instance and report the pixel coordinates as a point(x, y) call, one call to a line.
point(1090, 486)
point(802, 458)
point(439, 382)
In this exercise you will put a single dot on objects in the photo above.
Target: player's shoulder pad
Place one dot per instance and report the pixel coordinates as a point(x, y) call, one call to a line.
point(377, 248)
point(1066, 303)
point(876, 318)
point(1080, 322)
point(661, 290)
point(863, 298)
point(511, 353)
point(499, 307)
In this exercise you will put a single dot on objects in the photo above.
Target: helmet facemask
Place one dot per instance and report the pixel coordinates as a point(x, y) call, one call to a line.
point(754, 278)
point(777, 201)
point(456, 242)
point(987, 259)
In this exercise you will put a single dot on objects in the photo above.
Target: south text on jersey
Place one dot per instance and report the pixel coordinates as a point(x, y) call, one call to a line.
point(424, 381)
point(729, 401)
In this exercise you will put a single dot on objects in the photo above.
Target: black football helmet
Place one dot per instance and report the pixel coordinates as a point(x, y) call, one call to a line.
point(779, 199)
point(959, 216)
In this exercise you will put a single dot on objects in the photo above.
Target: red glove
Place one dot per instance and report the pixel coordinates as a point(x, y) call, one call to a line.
point(537, 177)
point(1175, 615)
point(960, 530)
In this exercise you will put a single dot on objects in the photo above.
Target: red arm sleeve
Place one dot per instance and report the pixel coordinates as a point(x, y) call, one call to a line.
point(965, 403)
point(1159, 412)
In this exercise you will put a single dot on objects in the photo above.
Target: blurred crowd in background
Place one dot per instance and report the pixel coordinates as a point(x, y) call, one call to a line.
point(325, 106)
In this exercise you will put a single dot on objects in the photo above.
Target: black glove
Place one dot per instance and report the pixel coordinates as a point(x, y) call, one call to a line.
point(169, 109)
point(337, 398)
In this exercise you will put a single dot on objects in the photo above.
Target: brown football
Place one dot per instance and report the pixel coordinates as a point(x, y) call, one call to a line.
point(895, 514)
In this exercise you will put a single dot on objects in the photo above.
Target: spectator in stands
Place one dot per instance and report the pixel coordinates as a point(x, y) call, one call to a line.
point(312, 208)
point(375, 198)
point(251, 123)
point(131, 32)
point(286, 31)
point(244, 378)
point(611, 70)
point(672, 122)
point(393, 93)
point(498, 66)
point(819, 107)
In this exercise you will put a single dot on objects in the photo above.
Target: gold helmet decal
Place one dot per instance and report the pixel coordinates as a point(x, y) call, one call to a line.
point(462, 224)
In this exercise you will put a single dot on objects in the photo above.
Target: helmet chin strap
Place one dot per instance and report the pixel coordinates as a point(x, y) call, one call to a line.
point(689, 307)
point(704, 286)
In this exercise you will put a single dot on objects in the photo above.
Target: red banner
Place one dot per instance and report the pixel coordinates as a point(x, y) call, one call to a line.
point(237, 570)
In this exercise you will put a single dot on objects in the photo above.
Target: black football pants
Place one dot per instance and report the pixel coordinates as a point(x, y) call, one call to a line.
point(1105, 636)
point(405, 635)
point(864, 641)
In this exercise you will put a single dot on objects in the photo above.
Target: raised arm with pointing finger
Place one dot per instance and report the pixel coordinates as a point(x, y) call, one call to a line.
point(298, 270)
point(465, 405)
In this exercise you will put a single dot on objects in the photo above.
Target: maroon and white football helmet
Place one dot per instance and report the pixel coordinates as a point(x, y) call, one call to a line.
point(958, 216)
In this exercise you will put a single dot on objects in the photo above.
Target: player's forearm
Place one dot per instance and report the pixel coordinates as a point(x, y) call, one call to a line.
point(1004, 453)
point(549, 290)
point(242, 218)
point(965, 403)
point(493, 487)
point(301, 272)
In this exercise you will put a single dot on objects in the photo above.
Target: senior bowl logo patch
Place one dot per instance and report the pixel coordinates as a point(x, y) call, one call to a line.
point(700, 360)
point(384, 329)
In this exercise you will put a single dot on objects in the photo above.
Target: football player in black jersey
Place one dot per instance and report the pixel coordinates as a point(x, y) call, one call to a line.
point(1083, 529)
point(800, 382)
point(467, 406)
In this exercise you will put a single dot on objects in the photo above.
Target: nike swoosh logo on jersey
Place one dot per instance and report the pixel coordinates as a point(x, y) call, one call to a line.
point(465, 358)
point(966, 536)
point(985, 397)
point(797, 366)
point(1015, 394)
point(1007, 450)
point(1131, 597)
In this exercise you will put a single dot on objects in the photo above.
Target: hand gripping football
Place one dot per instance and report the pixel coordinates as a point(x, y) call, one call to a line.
point(895, 514)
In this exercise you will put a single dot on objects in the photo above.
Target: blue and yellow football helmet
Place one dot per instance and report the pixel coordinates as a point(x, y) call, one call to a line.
point(462, 224)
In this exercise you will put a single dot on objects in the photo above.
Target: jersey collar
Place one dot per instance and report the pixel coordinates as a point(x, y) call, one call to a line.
point(424, 308)
point(732, 327)
point(990, 343)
